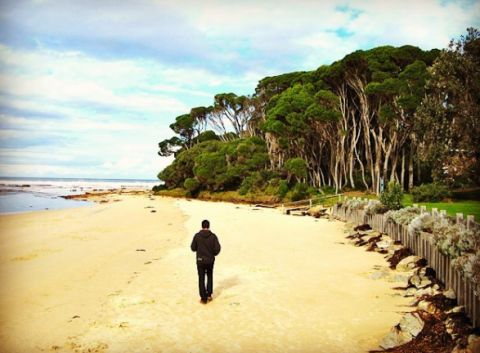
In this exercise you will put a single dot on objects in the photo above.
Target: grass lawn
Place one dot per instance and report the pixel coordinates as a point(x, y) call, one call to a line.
point(467, 207)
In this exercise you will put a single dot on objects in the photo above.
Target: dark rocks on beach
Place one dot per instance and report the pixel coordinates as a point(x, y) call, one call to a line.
point(409, 327)
point(407, 263)
point(437, 323)
point(153, 211)
point(140, 250)
point(432, 338)
point(398, 256)
point(440, 301)
point(362, 227)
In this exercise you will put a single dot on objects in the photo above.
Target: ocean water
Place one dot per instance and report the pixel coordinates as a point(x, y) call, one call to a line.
point(33, 194)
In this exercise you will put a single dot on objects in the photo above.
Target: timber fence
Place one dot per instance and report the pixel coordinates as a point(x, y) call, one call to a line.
point(422, 245)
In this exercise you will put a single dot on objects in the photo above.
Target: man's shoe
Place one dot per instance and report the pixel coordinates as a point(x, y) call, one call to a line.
point(210, 298)
point(203, 301)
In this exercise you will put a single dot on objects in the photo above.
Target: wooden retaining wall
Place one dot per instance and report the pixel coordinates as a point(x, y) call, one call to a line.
point(423, 246)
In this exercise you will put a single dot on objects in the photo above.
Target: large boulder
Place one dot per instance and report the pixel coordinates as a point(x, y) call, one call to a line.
point(427, 306)
point(409, 327)
point(450, 294)
point(385, 243)
point(395, 338)
point(407, 263)
point(420, 282)
point(411, 323)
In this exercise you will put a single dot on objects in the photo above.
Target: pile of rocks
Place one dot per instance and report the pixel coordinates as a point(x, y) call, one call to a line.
point(436, 323)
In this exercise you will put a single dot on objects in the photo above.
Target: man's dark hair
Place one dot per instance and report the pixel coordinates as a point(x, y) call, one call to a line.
point(205, 224)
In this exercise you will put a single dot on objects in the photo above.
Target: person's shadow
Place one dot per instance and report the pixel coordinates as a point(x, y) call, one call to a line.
point(226, 284)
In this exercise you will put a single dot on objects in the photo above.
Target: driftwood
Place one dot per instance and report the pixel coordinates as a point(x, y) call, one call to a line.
point(303, 208)
point(265, 206)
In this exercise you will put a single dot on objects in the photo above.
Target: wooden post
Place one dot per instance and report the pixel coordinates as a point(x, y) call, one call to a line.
point(443, 213)
point(470, 220)
point(435, 212)
point(459, 218)
point(423, 209)
point(310, 202)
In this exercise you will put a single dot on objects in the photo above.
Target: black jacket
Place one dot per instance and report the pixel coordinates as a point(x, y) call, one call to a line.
point(206, 244)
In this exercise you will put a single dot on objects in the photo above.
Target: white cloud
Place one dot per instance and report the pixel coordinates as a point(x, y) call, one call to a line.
point(107, 78)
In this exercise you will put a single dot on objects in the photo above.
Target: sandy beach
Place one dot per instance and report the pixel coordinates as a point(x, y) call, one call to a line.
point(117, 277)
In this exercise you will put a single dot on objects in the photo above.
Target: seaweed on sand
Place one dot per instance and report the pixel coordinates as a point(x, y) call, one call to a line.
point(433, 338)
point(362, 227)
point(398, 256)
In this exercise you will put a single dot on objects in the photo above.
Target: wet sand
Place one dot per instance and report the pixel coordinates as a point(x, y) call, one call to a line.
point(116, 277)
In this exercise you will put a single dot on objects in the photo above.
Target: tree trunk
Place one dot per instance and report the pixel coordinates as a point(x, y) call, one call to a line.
point(402, 173)
point(410, 169)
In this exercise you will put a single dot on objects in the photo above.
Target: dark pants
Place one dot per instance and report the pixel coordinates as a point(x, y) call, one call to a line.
point(202, 270)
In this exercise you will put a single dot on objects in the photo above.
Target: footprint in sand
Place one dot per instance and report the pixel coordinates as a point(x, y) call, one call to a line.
point(74, 317)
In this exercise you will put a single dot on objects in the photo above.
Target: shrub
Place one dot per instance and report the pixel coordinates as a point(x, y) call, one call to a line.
point(158, 187)
point(433, 192)
point(300, 192)
point(422, 223)
point(375, 207)
point(296, 167)
point(327, 190)
point(251, 183)
point(455, 239)
point(404, 215)
point(282, 189)
point(192, 185)
point(392, 197)
point(355, 204)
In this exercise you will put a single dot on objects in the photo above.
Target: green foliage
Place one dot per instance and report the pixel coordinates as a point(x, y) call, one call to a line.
point(404, 215)
point(327, 190)
point(392, 197)
point(375, 207)
point(208, 135)
point(217, 165)
point(433, 192)
point(449, 116)
point(270, 86)
point(297, 168)
point(251, 183)
point(282, 189)
point(355, 204)
point(158, 188)
point(192, 185)
point(169, 146)
point(300, 192)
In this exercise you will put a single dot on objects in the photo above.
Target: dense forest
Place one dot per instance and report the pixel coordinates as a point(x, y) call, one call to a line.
point(385, 114)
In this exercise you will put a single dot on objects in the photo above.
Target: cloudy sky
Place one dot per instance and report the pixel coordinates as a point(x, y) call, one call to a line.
point(88, 88)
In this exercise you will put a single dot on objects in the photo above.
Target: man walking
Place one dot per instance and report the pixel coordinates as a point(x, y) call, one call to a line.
point(206, 245)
